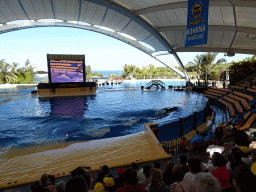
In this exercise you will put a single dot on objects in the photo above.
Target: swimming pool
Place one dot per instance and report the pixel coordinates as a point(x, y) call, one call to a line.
point(27, 120)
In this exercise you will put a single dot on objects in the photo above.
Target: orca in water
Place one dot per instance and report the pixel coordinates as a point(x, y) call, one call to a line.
point(168, 110)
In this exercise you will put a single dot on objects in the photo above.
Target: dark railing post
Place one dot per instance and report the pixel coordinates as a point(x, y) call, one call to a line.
point(205, 114)
point(181, 127)
point(195, 120)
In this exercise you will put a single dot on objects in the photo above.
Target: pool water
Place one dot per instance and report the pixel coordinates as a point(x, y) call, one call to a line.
point(27, 120)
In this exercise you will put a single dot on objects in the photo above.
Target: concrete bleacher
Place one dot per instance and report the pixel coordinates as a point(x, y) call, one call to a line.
point(229, 105)
point(249, 97)
point(213, 93)
point(242, 100)
point(251, 90)
point(248, 123)
point(236, 103)
point(223, 92)
point(210, 96)
point(237, 87)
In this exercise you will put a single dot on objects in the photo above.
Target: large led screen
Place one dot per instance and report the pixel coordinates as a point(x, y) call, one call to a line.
point(66, 68)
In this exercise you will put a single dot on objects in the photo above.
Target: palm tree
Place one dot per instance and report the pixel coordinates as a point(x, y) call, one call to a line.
point(207, 64)
point(9, 73)
point(138, 73)
point(144, 72)
point(133, 70)
point(251, 59)
point(150, 70)
point(155, 72)
point(126, 71)
point(197, 65)
point(129, 70)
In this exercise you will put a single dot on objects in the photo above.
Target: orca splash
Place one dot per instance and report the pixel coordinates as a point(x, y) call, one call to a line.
point(168, 110)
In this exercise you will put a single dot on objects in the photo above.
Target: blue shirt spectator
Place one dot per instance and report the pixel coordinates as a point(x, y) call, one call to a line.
point(234, 121)
point(198, 138)
point(253, 111)
point(252, 102)
point(209, 135)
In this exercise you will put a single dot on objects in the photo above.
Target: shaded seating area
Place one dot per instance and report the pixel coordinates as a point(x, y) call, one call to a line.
point(237, 87)
point(252, 90)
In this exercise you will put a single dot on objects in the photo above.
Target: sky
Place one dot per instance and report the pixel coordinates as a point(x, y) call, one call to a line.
point(101, 52)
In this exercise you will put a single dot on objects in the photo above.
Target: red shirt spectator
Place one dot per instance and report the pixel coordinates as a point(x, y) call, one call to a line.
point(183, 144)
point(223, 175)
point(156, 131)
point(128, 188)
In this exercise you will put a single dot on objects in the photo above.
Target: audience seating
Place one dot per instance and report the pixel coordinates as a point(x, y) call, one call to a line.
point(231, 109)
point(243, 101)
point(210, 96)
point(248, 123)
point(249, 97)
point(238, 106)
point(212, 93)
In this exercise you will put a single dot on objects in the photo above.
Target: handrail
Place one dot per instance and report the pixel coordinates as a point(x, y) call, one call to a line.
point(174, 143)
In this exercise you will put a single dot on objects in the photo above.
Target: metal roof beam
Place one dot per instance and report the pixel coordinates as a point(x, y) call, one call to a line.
point(235, 19)
point(162, 7)
point(53, 11)
point(23, 9)
point(184, 4)
point(222, 50)
point(244, 3)
point(79, 10)
point(212, 3)
point(210, 27)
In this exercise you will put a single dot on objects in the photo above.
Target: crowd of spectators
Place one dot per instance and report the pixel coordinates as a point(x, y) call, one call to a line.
point(223, 173)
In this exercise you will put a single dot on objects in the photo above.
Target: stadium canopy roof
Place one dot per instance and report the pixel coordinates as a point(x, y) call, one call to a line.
point(156, 27)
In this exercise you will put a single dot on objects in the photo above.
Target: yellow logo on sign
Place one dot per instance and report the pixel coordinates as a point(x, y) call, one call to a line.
point(197, 9)
point(197, 16)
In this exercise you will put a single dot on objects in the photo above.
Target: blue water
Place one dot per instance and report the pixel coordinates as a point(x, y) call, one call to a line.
point(114, 111)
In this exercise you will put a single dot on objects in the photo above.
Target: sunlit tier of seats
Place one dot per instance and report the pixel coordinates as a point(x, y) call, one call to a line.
point(242, 100)
point(249, 97)
point(213, 93)
point(229, 105)
point(236, 103)
point(248, 122)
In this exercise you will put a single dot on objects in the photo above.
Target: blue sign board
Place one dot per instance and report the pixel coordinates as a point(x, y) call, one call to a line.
point(197, 23)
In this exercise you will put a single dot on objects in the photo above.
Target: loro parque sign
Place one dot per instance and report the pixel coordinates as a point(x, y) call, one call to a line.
point(197, 23)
